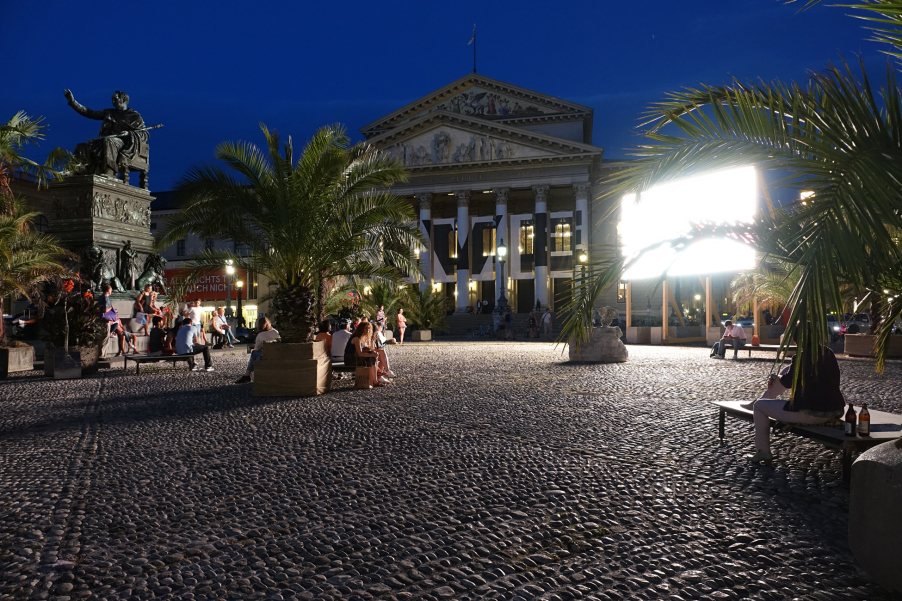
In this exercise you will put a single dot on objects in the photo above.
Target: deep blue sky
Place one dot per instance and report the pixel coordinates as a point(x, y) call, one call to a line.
point(211, 71)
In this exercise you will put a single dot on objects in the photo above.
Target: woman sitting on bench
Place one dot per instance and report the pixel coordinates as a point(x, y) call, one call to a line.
point(359, 352)
point(818, 402)
point(265, 333)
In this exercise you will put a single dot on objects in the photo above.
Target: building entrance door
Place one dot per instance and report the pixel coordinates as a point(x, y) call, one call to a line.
point(526, 295)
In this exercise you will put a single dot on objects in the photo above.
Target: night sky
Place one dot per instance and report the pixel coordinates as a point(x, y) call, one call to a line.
point(210, 71)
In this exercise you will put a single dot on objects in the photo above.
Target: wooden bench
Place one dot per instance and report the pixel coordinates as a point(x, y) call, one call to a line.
point(766, 348)
point(139, 359)
point(884, 427)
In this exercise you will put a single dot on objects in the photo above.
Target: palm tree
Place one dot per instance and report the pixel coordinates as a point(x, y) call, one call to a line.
point(426, 309)
point(768, 283)
point(380, 294)
point(326, 217)
point(15, 135)
point(27, 258)
point(833, 137)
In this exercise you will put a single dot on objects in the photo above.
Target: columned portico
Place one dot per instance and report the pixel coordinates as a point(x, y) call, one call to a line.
point(501, 196)
point(463, 246)
point(425, 202)
point(540, 244)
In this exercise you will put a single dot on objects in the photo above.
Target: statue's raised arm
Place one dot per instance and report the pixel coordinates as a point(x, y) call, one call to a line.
point(122, 137)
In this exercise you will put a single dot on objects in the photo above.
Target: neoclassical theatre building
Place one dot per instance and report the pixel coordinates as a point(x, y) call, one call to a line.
point(490, 161)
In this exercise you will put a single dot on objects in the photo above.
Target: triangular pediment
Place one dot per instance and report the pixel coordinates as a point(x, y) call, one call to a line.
point(444, 138)
point(483, 98)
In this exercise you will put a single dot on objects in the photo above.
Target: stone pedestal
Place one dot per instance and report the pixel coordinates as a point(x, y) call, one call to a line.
point(875, 519)
point(91, 210)
point(293, 370)
point(604, 347)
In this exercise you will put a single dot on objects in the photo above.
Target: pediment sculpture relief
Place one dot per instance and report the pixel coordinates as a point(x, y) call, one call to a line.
point(451, 147)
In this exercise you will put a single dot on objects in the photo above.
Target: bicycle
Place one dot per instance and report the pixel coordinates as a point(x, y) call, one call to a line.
point(480, 331)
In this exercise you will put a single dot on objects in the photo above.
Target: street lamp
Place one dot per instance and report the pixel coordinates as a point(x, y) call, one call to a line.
point(583, 257)
point(501, 253)
point(230, 272)
point(239, 284)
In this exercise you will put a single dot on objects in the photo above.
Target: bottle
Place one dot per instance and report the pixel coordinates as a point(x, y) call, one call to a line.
point(864, 421)
point(850, 421)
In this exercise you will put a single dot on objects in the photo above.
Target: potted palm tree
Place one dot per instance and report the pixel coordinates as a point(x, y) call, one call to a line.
point(305, 224)
point(76, 329)
point(425, 310)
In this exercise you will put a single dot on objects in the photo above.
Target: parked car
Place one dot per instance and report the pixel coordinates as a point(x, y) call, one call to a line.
point(861, 320)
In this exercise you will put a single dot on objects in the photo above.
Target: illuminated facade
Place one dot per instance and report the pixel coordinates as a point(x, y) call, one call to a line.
point(488, 162)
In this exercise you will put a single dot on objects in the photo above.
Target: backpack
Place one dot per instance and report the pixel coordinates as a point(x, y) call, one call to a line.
point(715, 349)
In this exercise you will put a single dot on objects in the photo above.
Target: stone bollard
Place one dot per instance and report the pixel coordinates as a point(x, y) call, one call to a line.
point(875, 513)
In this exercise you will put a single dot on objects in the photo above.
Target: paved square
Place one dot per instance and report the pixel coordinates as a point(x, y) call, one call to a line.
point(486, 471)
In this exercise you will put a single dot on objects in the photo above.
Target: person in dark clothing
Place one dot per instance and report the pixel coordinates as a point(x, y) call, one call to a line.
point(817, 402)
point(157, 337)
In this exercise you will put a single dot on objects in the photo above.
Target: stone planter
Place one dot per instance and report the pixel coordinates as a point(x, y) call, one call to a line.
point(638, 335)
point(293, 370)
point(60, 367)
point(656, 335)
point(862, 345)
point(88, 357)
point(421, 335)
point(16, 358)
point(875, 519)
point(604, 347)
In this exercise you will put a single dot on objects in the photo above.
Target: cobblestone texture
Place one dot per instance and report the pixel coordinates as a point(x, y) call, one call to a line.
point(486, 471)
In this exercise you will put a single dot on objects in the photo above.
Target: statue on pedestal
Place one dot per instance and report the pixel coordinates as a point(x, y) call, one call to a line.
point(94, 265)
point(122, 145)
point(604, 345)
point(128, 264)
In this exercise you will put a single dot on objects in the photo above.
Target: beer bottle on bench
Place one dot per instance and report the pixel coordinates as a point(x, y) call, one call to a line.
point(864, 421)
point(850, 421)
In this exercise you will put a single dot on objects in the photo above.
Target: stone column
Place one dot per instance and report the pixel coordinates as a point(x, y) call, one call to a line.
point(581, 218)
point(540, 244)
point(426, 251)
point(463, 248)
point(501, 195)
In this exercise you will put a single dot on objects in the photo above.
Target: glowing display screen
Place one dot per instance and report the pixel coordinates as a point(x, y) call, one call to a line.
point(672, 210)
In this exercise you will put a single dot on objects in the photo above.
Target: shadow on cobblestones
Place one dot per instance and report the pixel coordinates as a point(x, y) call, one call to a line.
point(486, 471)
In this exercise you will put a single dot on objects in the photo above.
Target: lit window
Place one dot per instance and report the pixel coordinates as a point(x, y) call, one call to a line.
point(561, 239)
point(452, 243)
point(488, 242)
point(621, 292)
point(180, 248)
point(527, 238)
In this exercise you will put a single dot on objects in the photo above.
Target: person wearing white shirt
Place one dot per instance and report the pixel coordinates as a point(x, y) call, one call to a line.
point(340, 341)
point(733, 336)
point(265, 333)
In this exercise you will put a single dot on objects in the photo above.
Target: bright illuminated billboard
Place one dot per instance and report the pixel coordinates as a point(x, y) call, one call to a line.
point(672, 210)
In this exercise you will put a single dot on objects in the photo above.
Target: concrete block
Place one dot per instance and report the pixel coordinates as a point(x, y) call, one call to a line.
point(638, 335)
point(421, 335)
point(656, 335)
point(16, 358)
point(875, 519)
point(295, 370)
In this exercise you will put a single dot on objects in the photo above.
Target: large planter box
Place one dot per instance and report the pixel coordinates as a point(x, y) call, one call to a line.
point(421, 335)
point(638, 335)
point(87, 355)
point(16, 358)
point(293, 370)
point(656, 335)
point(60, 367)
point(862, 345)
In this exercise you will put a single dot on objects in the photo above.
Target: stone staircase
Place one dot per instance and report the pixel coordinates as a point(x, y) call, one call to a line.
point(461, 324)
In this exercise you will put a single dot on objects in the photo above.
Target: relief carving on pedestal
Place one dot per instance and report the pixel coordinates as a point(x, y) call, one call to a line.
point(104, 206)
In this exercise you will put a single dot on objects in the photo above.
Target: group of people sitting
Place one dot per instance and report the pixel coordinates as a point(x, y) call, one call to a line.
point(356, 343)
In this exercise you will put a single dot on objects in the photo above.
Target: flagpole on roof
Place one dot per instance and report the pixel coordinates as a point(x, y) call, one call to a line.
point(473, 41)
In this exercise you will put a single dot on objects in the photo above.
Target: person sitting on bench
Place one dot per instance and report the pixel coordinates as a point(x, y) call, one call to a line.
point(221, 327)
point(340, 341)
point(734, 336)
point(265, 333)
point(187, 342)
point(818, 402)
point(157, 340)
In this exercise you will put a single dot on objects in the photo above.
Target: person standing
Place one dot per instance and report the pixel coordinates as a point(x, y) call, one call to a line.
point(546, 323)
point(196, 313)
point(733, 335)
point(187, 342)
point(533, 325)
point(402, 325)
point(479, 306)
point(380, 316)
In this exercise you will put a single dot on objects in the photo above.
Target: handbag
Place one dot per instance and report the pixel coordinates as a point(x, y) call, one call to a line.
point(111, 315)
point(141, 318)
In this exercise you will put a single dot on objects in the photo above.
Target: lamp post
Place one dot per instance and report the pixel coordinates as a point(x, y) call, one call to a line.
point(240, 285)
point(501, 253)
point(230, 273)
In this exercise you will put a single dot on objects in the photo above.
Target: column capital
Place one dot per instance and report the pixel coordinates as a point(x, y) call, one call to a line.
point(501, 195)
point(540, 193)
point(463, 198)
point(425, 200)
point(581, 190)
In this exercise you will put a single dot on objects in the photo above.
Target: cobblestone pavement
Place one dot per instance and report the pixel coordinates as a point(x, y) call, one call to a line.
point(486, 471)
